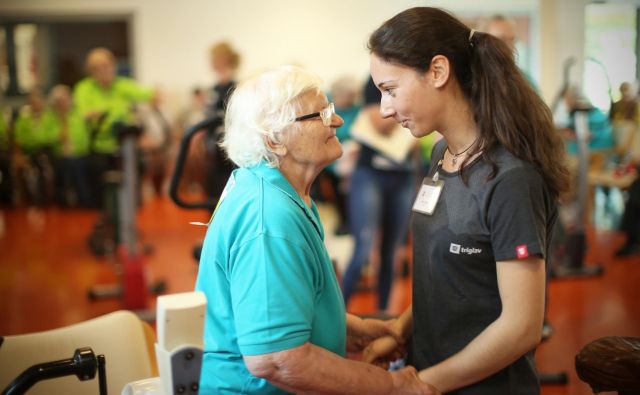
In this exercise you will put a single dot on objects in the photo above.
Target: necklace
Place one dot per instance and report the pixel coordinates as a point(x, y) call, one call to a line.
point(454, 160)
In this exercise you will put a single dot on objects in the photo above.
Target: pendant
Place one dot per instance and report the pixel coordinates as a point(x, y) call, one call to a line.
point(454, 160)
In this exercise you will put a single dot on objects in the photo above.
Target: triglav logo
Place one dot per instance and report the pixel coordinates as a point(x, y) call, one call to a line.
point(457, 249)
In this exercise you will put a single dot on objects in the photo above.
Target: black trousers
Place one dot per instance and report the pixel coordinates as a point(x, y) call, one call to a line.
point(630, 224)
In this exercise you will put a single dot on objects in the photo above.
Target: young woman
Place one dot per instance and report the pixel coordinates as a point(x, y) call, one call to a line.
point(483, 217)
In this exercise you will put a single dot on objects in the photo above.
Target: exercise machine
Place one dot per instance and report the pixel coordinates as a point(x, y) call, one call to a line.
point(179, 348)
point(132, 287)
point(84, 364)
point(576, 246)
point(207, 126)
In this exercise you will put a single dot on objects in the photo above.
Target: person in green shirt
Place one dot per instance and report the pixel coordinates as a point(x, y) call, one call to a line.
point(34, 147)
point(29, 136)
point(104, 99)
point(68, 129)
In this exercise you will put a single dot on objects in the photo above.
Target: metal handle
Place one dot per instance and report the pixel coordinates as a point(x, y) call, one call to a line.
point(189, 134)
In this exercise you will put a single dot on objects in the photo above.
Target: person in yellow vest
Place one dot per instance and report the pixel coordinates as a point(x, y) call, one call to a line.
point(32, 159)
point(65, 124)
point(103, 99)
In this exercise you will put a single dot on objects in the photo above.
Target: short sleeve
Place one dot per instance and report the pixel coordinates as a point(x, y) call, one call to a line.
point(134, 91)
point(517, 215)
point(272, 295)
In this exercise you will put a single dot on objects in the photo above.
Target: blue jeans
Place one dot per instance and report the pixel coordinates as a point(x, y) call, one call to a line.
point(378, 199)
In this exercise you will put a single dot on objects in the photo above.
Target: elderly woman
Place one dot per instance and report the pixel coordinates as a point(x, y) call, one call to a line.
point(275, 321)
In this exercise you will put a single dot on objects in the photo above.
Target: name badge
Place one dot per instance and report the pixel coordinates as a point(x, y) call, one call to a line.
point(428, 196)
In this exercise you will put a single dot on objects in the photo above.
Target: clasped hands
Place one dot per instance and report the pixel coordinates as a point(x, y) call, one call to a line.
point(382, 342)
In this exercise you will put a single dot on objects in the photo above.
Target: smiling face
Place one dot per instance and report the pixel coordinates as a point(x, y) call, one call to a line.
point(409, 97)
point(310, 142)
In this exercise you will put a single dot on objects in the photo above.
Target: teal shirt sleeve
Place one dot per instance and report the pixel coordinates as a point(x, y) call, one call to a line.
point(272, 293)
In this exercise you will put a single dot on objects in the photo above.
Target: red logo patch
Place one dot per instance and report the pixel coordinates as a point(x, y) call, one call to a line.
point(522, 251)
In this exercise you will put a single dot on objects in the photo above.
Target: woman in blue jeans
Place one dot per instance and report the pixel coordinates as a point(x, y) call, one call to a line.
point(379, 200)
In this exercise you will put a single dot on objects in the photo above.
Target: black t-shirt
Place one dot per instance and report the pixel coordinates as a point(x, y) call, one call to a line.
point(455, 288)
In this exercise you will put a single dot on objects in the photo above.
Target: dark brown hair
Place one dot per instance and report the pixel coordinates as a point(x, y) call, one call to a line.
point(506, 109)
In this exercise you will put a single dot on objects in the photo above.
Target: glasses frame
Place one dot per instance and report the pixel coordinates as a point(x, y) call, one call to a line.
point(326, 114)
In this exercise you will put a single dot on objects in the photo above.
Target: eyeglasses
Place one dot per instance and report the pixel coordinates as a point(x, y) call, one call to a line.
point(326, 114)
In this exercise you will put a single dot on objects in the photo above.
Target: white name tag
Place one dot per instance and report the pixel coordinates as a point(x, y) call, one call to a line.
point(428, 196)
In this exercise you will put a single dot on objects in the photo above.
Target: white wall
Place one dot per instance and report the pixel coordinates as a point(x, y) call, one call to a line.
point(562, 37)
point(171, 38)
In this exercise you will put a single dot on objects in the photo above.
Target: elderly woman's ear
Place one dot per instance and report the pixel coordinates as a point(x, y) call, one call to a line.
point(277, 148)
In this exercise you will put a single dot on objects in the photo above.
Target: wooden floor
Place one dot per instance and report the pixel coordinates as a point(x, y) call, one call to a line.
point(46, 269)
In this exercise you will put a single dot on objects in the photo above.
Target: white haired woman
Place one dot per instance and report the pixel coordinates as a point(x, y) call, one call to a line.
point(275, 321)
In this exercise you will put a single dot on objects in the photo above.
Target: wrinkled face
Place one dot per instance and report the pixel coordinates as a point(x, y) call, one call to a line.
point(407, 96)
point(310, 142)
point(103, 70)
point(62, 103)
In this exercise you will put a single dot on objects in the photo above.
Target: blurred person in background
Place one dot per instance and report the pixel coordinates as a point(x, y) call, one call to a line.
point(625, 120)
point(155, 142)
point(35, 144)
point(380, 196)
point(625, 116)
point(626, 109)
point(225, 61)
point(104, 99)
point(345, 94)
point(71, 150)
point(504, 28)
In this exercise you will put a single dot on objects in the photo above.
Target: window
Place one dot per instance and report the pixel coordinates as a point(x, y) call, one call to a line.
point(610, 51)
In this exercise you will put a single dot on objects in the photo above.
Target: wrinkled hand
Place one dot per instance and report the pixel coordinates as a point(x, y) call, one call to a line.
point(383, 351)
point(363, 331)
point(406, 381)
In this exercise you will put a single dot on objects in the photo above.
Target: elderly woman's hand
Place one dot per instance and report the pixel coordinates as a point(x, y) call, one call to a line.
point(361, 332)
point(383, 351)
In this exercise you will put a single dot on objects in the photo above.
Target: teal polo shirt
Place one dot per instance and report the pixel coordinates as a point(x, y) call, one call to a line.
point(268, 279)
